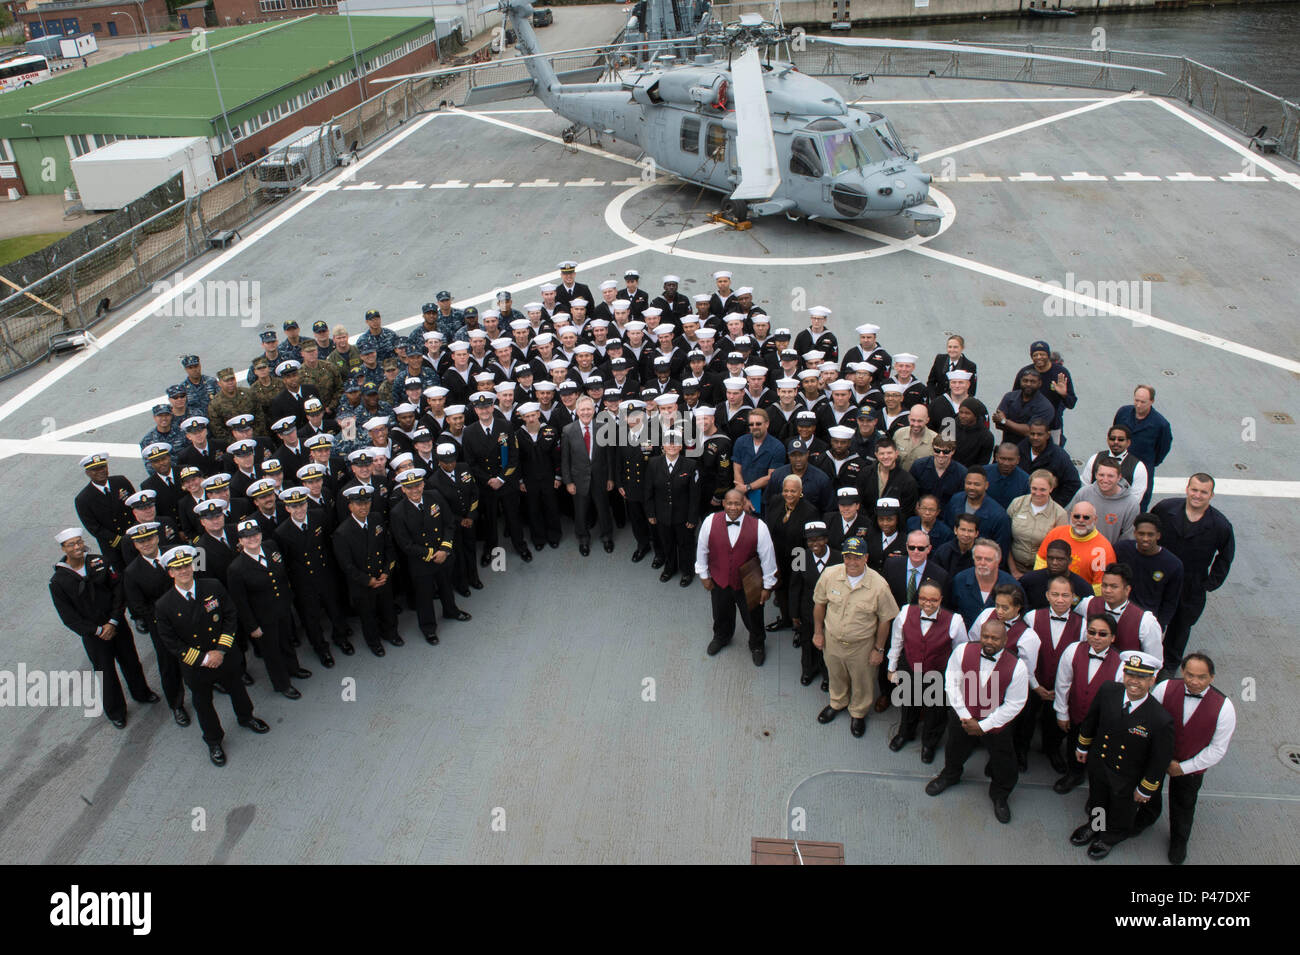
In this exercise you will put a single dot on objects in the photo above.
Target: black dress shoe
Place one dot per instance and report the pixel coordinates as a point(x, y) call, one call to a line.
point(806, 678)
point(555, 545)
point(715, 645)
point(326, 658)
point(936, 786)
point(301, 673)
point(476, 584)
point(858, 725)
point(638, 555)
point(120, 722)
point(666, 576)
point(759, 656)
point(1098, 849)
point(396, 640)
point(656, 563)
point(584, 550)
point(459, 615)
point(609, 547)
point(216, 754)
point(1066, 783)
point(687, 580)
point(826, 684)
point(1177, 852)
point(898, 742)
point(247, 678)
point(780, 623)
point(827, 714)
point(431, 638)
point(526, 555)
point(151, 698)
point(927, 754)
point(377, 649)
point(485, 560)
point(1001, 811)
point(1083, 835)
point(346, 648)
point(462, 591)
point(291, 693)
point(255, 724)
point(181, 717)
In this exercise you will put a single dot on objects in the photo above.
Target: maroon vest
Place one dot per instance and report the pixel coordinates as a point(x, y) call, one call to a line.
point(1127, 627)
point(929, 651)
point(999, 680)
point(1049, 657)
point(1082, 690)
point(725, 560)
point(1196, 735)
point(1013, 633)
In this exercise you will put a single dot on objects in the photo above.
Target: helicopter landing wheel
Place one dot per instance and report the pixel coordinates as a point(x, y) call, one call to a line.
point(737, 210)
point(570, 134)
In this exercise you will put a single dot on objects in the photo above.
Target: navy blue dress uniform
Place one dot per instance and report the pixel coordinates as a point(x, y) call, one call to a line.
point(459, 489)
point(259, 585)
point(672, 501)
point(145, 580)
point(495, 455)
point(803, 581)
point(423, 529)
point(144, 508)
point(101, 507)
point(631, 467)
point(165, 485)
point(1129, 745)
point(87, 602)
point(565, 293)
point(539, 468)
point(365, 552)
point(313, 575)
point(717, 476)
point(196, 618)
point(218, 550)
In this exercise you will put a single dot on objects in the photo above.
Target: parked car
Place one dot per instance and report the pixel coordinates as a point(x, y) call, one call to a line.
point(543, 17)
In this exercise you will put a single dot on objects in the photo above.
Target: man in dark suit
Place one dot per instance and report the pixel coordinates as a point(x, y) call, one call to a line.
point(672, 507)
point(1127, 742)
point(259, 585)
point(904, 573)
point(954, 359)
point(586, 468)
point(971, 591)
point(304, 540)
point(847, 520)
point(570, 288)
point(423, 530)
point(89, 598)
point(630, 468)
point(101, 508)
point(162, 479)
point(145, 580)
point(199, 451)
point(458, 489)
point(492, 453)
point(817, 556)
point(196, 622)
point(365, 554)
point(290, 401)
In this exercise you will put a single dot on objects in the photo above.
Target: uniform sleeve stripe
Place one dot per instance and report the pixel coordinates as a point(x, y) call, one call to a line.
point(1085, 740)
point(191, 655)
point(1149, 786)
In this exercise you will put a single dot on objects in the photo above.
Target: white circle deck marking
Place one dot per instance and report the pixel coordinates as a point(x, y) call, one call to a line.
point(888, 244)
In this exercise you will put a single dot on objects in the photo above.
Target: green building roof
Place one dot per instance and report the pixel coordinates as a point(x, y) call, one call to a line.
point(168, 89)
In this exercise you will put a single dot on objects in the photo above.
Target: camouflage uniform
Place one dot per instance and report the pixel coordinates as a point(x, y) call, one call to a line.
point(385, 342)
point(250, 377)
point(370, 376)
point(224, 408)
point(289, 351)
point(264, 393)
point(328, 380)
point(198, 395)
point(347, 364)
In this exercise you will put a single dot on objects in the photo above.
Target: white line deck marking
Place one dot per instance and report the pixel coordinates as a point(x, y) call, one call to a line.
point(979, 177)
point(1256, 160)
point(1031, 177)
point(409, 184)
point(1083, 177)
point(366, 186)
point(586, 181)
point(449, 184)
point(1136, 177)
point(1189, 177)
point(1055, 117)
point(493, 184)
point(1243, 177)
point(538, 184)
point(581, 147)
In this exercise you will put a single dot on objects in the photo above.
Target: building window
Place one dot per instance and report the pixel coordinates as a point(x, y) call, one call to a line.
point(270, 6)
point(302, 4)
point(97, 27)
point(6, 153)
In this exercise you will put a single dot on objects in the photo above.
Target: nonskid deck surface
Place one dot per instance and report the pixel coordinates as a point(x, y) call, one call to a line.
point(534, 712)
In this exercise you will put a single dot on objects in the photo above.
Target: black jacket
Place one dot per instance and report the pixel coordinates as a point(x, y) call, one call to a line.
point(896, 568)
point(632, 466)
point(1137, 746)
point(419, 530)
point(363, 554)
point(674, 500)
point(144, 583)
point(1205, 547)
point(217, 554)
point(262, 595)
point(804, 582)
point(168, 494)
point(105, 515)
point(85, 604)
point(308, 552)
point(190, 631)
point(285, 404)
point(937, 380)
point(1055, 459)
point(483, 453)
point(458, 489)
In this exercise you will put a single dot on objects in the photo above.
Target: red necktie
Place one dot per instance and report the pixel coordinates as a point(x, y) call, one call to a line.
point(586, 438)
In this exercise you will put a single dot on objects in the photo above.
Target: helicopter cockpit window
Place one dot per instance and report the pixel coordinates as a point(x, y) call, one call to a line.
point(842, 152)
point(870, 146)
point(804, 160)
point(890, 139)
point(716, 145)
point(690, 141)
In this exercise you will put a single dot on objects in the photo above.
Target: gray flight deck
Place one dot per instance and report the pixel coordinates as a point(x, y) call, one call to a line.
point(533, 713)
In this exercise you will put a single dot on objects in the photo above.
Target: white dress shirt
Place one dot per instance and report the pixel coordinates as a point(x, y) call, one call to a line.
point(766, 556)
point(956, 632)
point(1027, 646)
point(1012, 703)
point(1065, 676)
point(1150, 639)
point(1223, 729)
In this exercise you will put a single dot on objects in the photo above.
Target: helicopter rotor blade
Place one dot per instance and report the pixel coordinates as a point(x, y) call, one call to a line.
point(755, 144)
point(876, 42)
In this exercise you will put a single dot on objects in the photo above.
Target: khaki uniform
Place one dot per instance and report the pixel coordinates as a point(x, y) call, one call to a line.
point(327, 378)
point(221, 409)
point(852, 617)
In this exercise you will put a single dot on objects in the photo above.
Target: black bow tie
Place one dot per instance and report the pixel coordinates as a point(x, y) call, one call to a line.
point(1093, 656)
point(733, 523)
point(1065, 619)
point(1194, 696)
point(987, 656)
point(932, 620)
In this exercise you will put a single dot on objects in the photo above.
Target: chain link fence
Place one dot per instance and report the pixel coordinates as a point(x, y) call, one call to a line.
point(77, 296)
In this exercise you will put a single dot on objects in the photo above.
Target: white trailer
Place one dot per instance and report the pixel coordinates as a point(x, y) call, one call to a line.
point(72, 47)
point(112, 176)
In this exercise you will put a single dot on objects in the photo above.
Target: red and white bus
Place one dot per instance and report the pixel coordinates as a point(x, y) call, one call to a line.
point(23, 70)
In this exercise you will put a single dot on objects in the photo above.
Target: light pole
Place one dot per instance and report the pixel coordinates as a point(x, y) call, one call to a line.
point(145, 21)
point(134, 26)
point(356, 61)
point(221, 101)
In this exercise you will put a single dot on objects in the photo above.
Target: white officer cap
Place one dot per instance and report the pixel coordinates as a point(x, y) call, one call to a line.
point(157, 449)
point(285, 423)
point(888, 504)
point(261, 486)
point(193, 421)
point(285, 367)
point(309, 471)
point(447, 447)
point(293, 495)
point(821, 310)
point(1142, 664)
point(67, 534)
point(568, 265)
point(840, 431)
point(246, 446)
point(868, 329)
